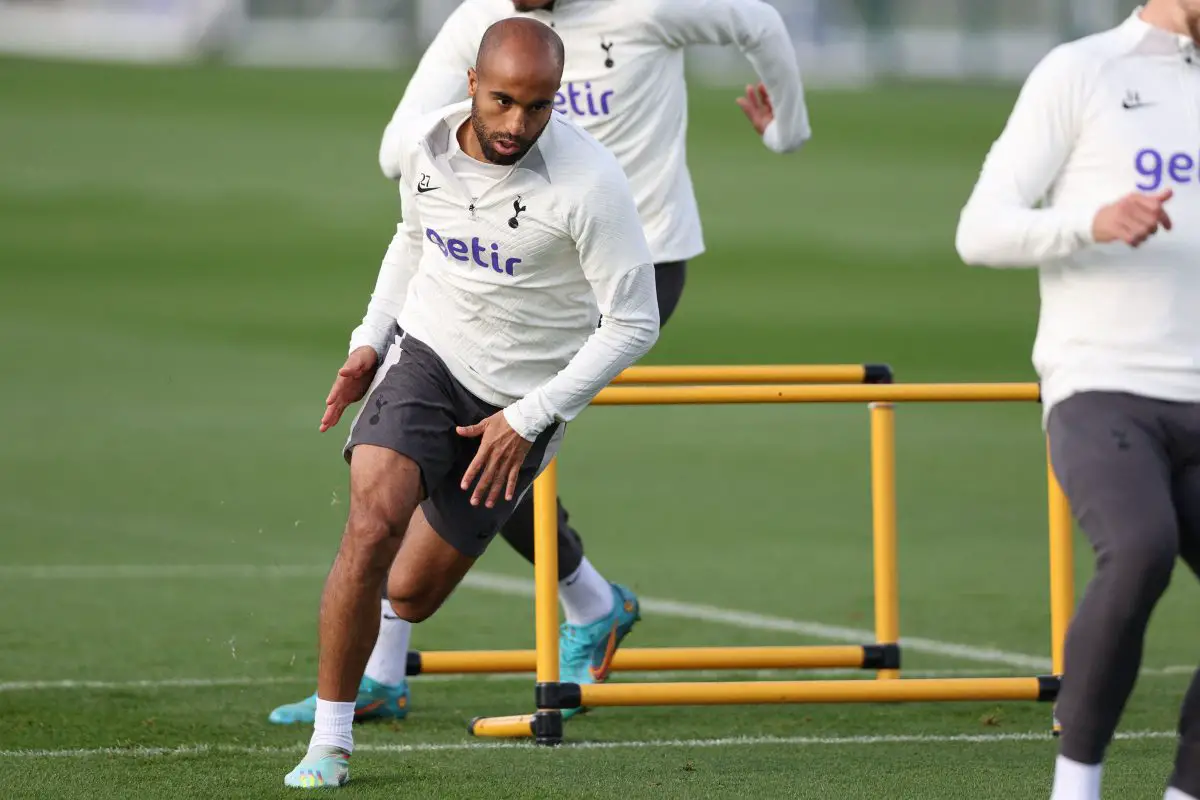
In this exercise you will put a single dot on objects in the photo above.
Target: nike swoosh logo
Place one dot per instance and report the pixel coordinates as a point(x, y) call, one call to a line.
point(600, 673)
point(1130, 106)
point(424, 189)
point(367, 709)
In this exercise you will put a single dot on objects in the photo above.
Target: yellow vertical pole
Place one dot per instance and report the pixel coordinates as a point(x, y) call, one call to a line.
point(883, 510)
point(545, 572)
point(1062, 568)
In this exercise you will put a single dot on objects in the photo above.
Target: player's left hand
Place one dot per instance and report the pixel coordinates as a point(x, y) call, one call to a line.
point(498, 463)
point(757, 107)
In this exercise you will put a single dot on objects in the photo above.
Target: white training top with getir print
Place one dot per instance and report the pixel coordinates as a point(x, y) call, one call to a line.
point(508, 286)
point(624, 83)
point(1099, 118)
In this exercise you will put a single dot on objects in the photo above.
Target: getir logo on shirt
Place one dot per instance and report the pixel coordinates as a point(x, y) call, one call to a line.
point(1158, 168)
point(583, 100)
point(483, 255)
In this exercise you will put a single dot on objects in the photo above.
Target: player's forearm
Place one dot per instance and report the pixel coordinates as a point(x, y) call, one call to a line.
point(768, 46)
point(376, 331)
point(999, 235)
point(626, 334)
point(387, 301)
point(758, 31)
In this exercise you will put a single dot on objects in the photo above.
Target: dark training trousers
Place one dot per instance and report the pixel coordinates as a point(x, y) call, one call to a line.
point(518, 531)
point(1130, 467)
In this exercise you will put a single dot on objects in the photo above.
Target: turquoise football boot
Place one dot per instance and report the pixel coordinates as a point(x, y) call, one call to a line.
point(374, 701)
point(321, 768)
point(586, 651)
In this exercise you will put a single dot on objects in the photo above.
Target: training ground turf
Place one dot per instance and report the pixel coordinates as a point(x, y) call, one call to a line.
point(184, 253)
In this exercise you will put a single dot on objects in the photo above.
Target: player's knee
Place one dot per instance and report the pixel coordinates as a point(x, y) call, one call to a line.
point(369, 531)
point(1144, 560)
point(413, 606)
point(414, 598)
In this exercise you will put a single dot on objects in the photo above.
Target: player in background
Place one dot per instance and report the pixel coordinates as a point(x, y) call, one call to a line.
point(624, 83)
point(521, 284)
point(1104, 137)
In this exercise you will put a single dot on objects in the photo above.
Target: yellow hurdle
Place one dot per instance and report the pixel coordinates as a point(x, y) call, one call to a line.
point(552, 696)
point(848, 691)
point(547, 722)
point(883, 655)
point(659, 659)
point(770, 373)
point(883, 513)
point(1062, 572)
point(884, 393)
point(924, 690)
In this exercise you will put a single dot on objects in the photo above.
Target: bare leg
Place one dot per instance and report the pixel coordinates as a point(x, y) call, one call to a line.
point(426, 571)
point(385, 488)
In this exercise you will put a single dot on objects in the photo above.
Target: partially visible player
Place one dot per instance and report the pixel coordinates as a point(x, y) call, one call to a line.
point(624, 83)
point(1104, 136)
point(522, 284)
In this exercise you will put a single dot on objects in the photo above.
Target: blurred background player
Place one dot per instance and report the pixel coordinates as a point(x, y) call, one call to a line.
point(624, 83)
point(1105, 132)
point(458, 423)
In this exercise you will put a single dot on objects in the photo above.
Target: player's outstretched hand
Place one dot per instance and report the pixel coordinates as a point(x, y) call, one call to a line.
point(351, 383)
point(1133, 219)
point(498, 463)
point(757, 107)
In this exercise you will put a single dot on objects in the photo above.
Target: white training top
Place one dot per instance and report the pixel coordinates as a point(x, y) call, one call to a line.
point(477, 176)
point(1098, 118)
point(508, 286)
point(624, 83)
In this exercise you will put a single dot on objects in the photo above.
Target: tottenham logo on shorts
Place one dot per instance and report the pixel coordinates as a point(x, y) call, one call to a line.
point(474, 251)
point(379, 404)
point(607, 48)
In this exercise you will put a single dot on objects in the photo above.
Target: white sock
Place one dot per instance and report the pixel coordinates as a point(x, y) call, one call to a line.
point(389, 659)
point(585, 595)
point(1075, 781)
point(333, 726)
point(1176, 794)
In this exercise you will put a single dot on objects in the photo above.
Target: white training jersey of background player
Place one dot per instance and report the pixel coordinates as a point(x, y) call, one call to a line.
point(624, 83)
point(1099, 118)
point(507, 284)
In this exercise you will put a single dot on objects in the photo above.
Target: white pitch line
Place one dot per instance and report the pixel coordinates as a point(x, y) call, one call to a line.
point(204, 683)
point(518, 677)
point(739, 741)
point(61, 572)
point(504, 584)
point(508, 585)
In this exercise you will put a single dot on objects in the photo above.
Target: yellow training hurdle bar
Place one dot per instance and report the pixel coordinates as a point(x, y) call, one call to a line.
point(551, 696)
point(883, 655)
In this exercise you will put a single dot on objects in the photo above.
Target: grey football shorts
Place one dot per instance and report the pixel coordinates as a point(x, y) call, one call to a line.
point(413, 407)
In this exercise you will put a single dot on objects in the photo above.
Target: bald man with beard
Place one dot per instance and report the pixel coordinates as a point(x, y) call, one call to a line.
point(481, 340)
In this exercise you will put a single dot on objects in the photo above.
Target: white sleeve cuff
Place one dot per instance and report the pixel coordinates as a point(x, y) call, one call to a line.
point(1083, 224)
point(378, 338)
point(520, 423)
point(775, 141)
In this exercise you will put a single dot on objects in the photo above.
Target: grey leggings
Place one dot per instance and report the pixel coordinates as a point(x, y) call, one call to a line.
point(1130, 467)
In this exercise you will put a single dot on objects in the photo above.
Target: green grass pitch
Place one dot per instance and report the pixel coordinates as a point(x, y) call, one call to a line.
point(184, 252)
